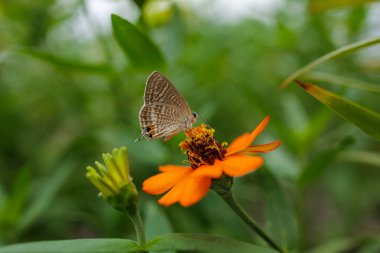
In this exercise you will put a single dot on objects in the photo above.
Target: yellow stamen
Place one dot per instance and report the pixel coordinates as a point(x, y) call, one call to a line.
point(200, 146)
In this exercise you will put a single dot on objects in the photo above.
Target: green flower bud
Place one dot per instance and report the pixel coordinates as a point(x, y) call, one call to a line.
point(114, 182)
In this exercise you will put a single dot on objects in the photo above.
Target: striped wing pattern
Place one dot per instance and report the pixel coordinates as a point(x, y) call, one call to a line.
point(165, 112)
point(158, 120)
point(160, 90)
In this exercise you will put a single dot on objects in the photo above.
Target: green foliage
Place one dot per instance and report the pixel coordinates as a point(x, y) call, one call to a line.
point(330, 56)
point(156, 222)
point(44, 195)
point(282, 221)
point(202, 243)
point(320, 162)
point(362, 117)
point(13, 204)
point(159, 244)
point(342, 81)
point(68, 94)
point(17, 214)
point(71, 246)
point(316, 6)
point(139, 48)
point(64, 63)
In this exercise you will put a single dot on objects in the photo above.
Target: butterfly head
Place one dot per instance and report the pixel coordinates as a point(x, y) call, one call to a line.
point(191, 120)
point(194, 118)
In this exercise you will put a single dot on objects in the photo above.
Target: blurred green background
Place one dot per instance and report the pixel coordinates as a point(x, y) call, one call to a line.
point(68, 93)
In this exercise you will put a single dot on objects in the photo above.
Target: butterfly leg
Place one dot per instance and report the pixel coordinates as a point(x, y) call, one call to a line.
point(166, 138)
point(142, 135)
point(147, 132)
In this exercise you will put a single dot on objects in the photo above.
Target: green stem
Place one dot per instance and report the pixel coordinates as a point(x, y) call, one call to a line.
point(139, 227)
point(229, 199)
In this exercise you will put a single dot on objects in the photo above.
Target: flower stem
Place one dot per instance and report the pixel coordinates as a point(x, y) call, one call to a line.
point(229, 199)
point(139, 227)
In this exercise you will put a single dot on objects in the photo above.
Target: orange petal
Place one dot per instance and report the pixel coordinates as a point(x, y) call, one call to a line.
point(238, 143)
point(174, 194)
point(212, 171)
point(162, 182)
point(196, 188)
point(244, 141)
point(239, 165)
point(260, 148)
point(170, 167)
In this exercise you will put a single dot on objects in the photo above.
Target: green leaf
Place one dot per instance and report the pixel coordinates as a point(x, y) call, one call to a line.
point(20, 191)
point(281, 216)
point(320, 163)
point(142, 52)
point(370, 246)
point(74, 246)
point(362, 244)
point(199, 242)
point(305, 128)
point(327, 57)
point(317, 123)
point(360, 116)
point(365, 157)
point(342, 81)
point(336, 245)
point(155, 222)
point(3, 197)
point(316, 6)
point(61, 62)
point(45, 195)
point(16, 201)
point(166, 242)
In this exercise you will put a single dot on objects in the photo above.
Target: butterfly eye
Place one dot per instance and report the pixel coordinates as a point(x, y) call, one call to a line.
point(147, 129)
point(195, 114)
point(150, 136)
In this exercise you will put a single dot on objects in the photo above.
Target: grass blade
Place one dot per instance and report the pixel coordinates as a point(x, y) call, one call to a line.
point(327, 57)
point(358, 115)
point(342, 81)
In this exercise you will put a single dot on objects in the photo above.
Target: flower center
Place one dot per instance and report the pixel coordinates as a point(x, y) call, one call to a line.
point(200, 146)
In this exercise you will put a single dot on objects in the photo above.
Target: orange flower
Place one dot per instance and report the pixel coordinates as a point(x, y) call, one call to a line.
point(208, 160)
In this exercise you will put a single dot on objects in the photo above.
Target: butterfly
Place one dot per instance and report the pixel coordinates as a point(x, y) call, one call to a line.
point(164, 112)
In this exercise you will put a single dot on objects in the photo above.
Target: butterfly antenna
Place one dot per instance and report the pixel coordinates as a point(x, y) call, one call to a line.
point(139, 138)
point(204, 121)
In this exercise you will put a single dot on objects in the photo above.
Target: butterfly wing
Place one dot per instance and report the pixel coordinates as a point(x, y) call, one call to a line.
point(157, 120)
point(159, 90)
point(165, 112)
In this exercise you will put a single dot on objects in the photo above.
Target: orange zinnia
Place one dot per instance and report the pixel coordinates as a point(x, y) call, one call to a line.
point(208, 160)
